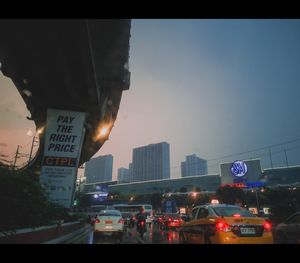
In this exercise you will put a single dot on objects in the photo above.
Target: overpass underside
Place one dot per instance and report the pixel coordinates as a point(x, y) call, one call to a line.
point(78, 65)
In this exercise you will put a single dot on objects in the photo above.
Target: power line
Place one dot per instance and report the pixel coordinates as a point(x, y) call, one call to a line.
point(254, 150)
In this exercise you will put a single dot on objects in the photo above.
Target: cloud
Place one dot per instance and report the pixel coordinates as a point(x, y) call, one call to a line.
point(3, 144)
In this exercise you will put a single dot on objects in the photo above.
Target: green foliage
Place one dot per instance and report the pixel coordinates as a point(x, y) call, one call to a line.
point(230, 195)
point(156, 200)
point(183, 190)
point(283, 202)
point(23, 203)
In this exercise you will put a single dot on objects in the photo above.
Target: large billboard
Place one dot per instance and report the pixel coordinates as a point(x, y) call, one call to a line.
point(240, 171)
point(63, 142)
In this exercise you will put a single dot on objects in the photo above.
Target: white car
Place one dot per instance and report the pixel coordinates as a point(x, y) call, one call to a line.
point(149, 219)
point(109, 222)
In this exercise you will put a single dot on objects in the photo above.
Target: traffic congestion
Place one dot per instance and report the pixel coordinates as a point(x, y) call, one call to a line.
point(212, 223)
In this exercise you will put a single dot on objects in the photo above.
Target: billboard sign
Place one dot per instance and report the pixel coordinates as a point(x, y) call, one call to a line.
point(239, 168)
point(240, 172)
point(63, 142)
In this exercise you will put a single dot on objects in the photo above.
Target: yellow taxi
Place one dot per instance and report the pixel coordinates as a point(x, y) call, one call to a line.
point(225, 224)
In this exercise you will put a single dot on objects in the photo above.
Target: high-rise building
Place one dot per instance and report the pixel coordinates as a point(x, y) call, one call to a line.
point(124, 175)
point(151, 162)
point(99, 169)
point(193, 165)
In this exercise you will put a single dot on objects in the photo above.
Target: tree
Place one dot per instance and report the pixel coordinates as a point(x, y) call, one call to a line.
point(197, 189)
point(230, 195)
point(183, 189)
point(23, 203)
point(156, 200)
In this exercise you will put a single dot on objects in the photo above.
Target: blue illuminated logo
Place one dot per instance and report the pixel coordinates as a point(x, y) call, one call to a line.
point(239, 168)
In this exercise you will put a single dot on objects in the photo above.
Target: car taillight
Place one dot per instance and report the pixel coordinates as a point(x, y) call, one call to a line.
point(222, 226)
point(121, 221)
point(169, 219)
point(142, 223)
point(97, 221)
point(267, 226)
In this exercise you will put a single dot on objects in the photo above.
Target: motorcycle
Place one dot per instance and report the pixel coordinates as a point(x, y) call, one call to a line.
point(141, 227)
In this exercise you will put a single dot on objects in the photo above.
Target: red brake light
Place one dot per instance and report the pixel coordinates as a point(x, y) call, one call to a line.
point(169, 219)
point(222, 226)
point(121, 221)
point(267, 226)
point(97, 221)
point(142, 223)
point(236, 215)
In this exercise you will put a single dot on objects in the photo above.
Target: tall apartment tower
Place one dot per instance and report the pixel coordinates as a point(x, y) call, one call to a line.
point(124, 175)
point(151, 162)
point(99, 169)
point(193, 165)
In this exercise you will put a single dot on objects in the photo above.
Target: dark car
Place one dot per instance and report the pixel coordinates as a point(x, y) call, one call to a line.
point(289, 230)
point(172, 221)
point(126, 216)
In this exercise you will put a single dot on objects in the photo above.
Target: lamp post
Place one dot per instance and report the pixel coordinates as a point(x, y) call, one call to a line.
point(257, 202)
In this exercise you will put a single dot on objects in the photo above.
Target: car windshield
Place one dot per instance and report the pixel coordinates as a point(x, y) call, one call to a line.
point(232, 211)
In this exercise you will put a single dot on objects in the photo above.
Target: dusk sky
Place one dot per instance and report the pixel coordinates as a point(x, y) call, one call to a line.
point(209, 87)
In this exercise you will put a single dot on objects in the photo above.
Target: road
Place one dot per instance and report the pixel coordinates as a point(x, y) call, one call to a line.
point(152, 236)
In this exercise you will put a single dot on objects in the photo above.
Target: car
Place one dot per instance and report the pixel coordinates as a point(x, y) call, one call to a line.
point(289, 230)
point(109, 222)
point(225, 224)
point(172, 221)
point(127, 217)
point(158, 218)
point(149, 218)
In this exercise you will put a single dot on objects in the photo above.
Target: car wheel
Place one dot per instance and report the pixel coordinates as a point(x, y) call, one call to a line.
point(207, 240)
point(182, 239)
point(281, 238)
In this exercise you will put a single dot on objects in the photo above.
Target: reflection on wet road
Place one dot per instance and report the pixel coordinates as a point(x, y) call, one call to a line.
point(154, 235)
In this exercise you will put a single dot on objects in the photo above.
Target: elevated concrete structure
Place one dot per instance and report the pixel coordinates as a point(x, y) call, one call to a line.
point(77, 65)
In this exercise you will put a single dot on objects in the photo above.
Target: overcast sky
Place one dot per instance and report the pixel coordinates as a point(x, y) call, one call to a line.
point(209, 87)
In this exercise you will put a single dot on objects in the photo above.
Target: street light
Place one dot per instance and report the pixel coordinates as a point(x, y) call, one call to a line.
point(256, 196)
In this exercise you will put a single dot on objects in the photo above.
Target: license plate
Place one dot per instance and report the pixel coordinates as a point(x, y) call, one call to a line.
point(108, 222)
point(247, 230)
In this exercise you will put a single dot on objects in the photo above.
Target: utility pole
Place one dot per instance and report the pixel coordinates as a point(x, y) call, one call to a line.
point(33, 141)
point(257, 201)
point(16, 157)
point(286, 160)
point(270, 157)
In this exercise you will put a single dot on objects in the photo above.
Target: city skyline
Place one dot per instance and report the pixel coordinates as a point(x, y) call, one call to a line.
point(211, 87)
point(99, 169)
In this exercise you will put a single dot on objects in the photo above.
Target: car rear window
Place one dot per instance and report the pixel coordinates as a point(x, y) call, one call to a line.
point(230, 211)
point(109, 213)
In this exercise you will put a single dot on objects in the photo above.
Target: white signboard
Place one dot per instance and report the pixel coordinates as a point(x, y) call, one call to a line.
point(63, 141)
